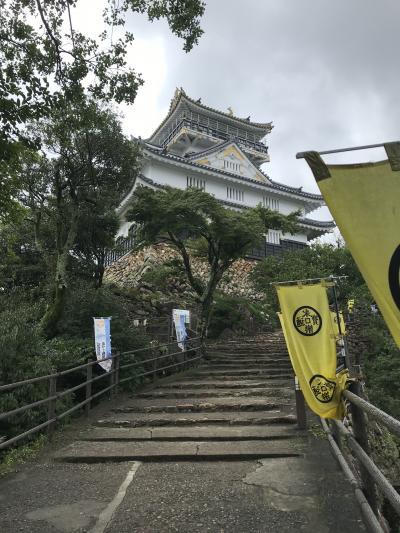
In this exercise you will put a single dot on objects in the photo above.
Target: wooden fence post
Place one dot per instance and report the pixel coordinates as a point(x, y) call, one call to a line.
point(361, 435)
point(51, 409)
point(116, 375)
point(300, 406)
point(89, 374)
point(112, 378)
point(154, 366)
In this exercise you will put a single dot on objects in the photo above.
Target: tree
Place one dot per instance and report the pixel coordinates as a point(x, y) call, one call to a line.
point(43, 62)
point(96, 232)
point(312, 262)
point(87, 166)
point(193, 221)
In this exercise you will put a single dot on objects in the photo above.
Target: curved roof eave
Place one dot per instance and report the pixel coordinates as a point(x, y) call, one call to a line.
point(311, 197)
point(319, 227)
point(181, 96)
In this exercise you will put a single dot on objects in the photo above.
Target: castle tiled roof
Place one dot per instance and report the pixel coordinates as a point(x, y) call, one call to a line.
point(181, 97)
point(323, 225)
point(271, 185)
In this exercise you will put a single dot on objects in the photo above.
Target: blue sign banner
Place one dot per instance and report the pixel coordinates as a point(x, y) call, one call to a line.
point(102, 341)
point(181, 317)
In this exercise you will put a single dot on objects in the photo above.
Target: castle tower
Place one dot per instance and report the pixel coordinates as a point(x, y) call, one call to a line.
point(197, 146)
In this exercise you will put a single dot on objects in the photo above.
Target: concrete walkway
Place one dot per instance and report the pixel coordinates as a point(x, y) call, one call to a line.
point(216, 450)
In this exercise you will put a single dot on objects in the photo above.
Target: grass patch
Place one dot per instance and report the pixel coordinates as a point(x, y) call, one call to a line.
point(17, 456)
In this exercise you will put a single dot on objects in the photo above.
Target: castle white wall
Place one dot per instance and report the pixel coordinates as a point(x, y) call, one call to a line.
point(177, 177)
point(251, 196)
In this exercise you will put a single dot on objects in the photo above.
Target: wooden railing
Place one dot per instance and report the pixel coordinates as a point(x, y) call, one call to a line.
point(206, 127)
point(163, 357)
point(122, 247)
point(352, 447)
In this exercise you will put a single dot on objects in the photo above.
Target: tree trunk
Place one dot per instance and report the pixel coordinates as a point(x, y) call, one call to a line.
point(99, 273)
point(55, 308)
point(207, 298)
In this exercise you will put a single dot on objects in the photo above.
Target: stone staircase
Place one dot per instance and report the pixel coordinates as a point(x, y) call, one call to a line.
point(238, 404)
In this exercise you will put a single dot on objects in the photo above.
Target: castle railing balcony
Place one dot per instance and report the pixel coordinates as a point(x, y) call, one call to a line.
point(216, 129)
point(125, 244)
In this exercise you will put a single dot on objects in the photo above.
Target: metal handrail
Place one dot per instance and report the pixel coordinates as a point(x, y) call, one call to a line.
point(366, 510)
point(391, 423)
point(371, 477)
point(383, 483)
point(10, 386)
point(113, 375)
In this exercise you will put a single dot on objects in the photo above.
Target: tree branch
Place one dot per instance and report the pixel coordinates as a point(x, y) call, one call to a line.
point(186, 261)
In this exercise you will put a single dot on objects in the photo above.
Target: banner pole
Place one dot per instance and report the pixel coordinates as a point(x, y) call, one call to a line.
point(308, 280)
point(301, 155)
point(341, 333)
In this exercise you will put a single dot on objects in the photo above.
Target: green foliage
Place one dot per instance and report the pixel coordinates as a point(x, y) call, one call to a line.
point(195, 220)
point(71, 193)
point(22, 454)
point(43, 65)
point(237, 315)
point(24, 353)
point(380, 358)
point(160, 276)
point(22, 264)
point(381, 362)
point(21, 358)
point(85, 302)
point(311, 262)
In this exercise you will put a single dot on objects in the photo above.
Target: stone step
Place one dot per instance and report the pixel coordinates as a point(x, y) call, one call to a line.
point(192, 406)
point(228, 374)
point(249, 355)
point(137, 420)
point(214, 365)
point(247, 342)
point(93, 452)
point(207, 393)
point(250, 360)
point(249, 351)
point(179, 433)
point(248, 347)
point(226, 384)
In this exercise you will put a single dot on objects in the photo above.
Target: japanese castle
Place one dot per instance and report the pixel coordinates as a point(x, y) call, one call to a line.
point(197, 146)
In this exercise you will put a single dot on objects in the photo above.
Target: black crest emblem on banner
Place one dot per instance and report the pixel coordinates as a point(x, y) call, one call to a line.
point(394, 276)
point(322, 388)
point(307, 320)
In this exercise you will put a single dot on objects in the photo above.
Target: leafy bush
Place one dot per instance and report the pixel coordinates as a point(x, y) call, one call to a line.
point(160, 276)
point(25, 354)
point(237, 315)
point(381, 362)
point(85, 302)
point(311, 262)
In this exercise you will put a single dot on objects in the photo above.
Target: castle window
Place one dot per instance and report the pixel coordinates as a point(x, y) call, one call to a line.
point(196, 183)
point(273, 236)
point(271, 203)
point(230, 165)
point(234, 194)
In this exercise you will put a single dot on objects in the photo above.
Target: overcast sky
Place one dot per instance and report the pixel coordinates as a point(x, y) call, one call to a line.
point(326, 73)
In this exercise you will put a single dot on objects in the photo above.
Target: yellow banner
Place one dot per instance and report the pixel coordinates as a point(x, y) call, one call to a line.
point(308, 329)
point(364, 201)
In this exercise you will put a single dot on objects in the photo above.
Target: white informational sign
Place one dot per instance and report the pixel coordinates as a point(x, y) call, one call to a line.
point(102, 341)
point(180, 318)
point(181, 312)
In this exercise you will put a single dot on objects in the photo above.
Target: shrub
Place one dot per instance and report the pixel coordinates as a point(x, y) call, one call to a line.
point(238, 315)
point(85, 302)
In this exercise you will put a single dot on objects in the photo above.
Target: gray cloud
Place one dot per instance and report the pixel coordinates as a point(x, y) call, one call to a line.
point(325, 72)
